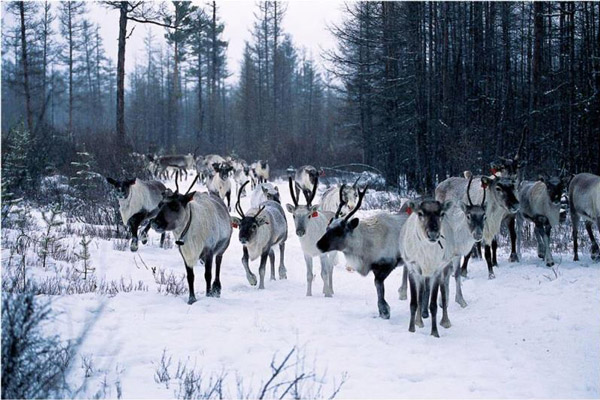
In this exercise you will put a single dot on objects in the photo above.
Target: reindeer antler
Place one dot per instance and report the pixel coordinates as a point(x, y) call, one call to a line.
point(176, 184)
point(342, 202)
point(238, 207)
point(313, 193)
point(468, 191)
point(292, 192)
point(356, 182)
point(361, 195)
point(193, 183)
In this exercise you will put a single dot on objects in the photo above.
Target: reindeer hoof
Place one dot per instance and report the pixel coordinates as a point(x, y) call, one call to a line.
point(252, 279)
point(384, 310)
point(411, 328)
point(419, 323)
point(549, 263)
point(282, 273)
point(425, 313)
point(461, 302)
point(403, 295)
point(435, 333)
point(491, 276)
point(191, 300)
point(513, 258)
point(215, 290)
point(445, 323)
point(463, 273)
point(134, 246)
point(328, 295)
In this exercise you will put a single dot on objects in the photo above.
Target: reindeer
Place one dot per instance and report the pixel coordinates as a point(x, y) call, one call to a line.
point(584, 203)
point(426, 245)
point(305, 178)
point(370, 244)
point(219, 184)
point(241, 174)
point(467, 221)
point(540, 204)
point(311, 224)
point(262, 171)
point(201, 223)
point(511, 168)
point(137, 199)
point(264, 192)
point(502, 201)
point(260, 230)
point(179, 163)
point(334, 196)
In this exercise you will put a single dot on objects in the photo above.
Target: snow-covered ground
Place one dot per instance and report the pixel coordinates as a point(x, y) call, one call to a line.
point(525, 334)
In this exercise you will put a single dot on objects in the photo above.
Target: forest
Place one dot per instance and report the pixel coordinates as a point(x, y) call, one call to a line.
point(419, 91)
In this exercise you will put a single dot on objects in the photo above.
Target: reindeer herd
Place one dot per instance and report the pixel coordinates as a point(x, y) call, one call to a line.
point(432, 237)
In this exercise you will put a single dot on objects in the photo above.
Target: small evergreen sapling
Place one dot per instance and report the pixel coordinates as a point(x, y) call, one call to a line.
point(85, 257)
point(49, 241)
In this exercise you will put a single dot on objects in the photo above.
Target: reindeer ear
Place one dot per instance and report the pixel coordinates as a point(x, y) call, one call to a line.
point(353, 223)
point(541, 178)
point(265, 189)
point(463, 206)
point(112, 181)
point(130, 182)
point(277, 189)
point(188, 197)
point(314, 208)
point(167, 193)
point(290, 208)
point(235, 222)
point(216, 166)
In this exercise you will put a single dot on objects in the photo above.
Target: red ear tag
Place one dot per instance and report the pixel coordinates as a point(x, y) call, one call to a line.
point(315, 214)
point(408, 210)
point(234, 225)
point(483, 185)
point(494, 170)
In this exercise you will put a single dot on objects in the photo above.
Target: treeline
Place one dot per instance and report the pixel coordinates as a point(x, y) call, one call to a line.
point(417, 90)
point(435, 88)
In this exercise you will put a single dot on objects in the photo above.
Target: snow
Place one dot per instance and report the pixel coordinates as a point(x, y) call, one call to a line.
point(525, 334)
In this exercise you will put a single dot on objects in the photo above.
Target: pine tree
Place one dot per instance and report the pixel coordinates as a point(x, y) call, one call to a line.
point(85, 257)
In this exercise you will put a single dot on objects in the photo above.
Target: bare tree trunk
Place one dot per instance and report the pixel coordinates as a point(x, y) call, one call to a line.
point(121, 71)
point(25, 68)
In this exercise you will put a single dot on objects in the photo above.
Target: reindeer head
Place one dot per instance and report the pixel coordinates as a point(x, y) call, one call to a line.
point(271, 193)
point(475, 214)
point(430, 214)
point(248, 224)
point(555, 187)
point(340, 228)
point(502, 191)
point(122, 187)
point(170, 212)
point(303, 213)
point(223, 169)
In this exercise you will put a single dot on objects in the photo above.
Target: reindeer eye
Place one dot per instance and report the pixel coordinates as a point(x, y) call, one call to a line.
point(498, 189)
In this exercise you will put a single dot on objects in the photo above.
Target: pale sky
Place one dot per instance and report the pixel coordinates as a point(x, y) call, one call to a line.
point(306, 21)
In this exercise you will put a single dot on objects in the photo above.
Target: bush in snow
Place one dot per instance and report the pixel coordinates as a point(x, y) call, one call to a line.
point(85, 257)
point(48, 242)
point(288, 378)
point(34, 365)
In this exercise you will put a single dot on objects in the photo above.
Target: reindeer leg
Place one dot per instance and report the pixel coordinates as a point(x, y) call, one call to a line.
point(272, 260)
point(144, 235)
point(309, 274)
point(326, 271)
point(134, 225)
point(463, 270)
point(433, 305)
point(402, 289)
point(494, 252)
point(208, 273)
point(548, 254)
point(413, 302)
point(162, 240)
point(261, 270)
point(457, 279)
point(330, 274)
point(426, 294)
point(514, 257)
point(575, 223)
point(282, 270)
point(228, 195)
point(381, 271)
point(595, 251)
point(249, 275)
point(420, 300)
point(488, 260)
point(445, 322)
point(216, 286)
point(539, 235)
point(190, 279)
